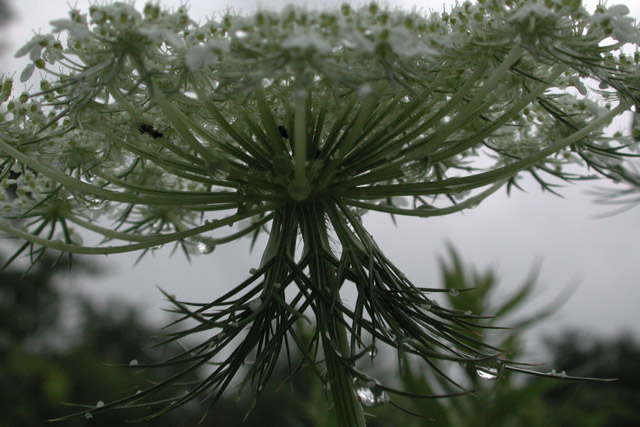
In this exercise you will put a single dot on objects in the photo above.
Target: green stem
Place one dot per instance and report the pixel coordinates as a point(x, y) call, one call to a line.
point(330, 323)
point(347, 406)
point(175, 198)
point(156, 241)
point(299, 135)
point(470, 182)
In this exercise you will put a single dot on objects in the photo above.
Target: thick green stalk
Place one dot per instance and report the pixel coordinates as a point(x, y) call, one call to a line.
point(347, 406)
point(329, 320)
point(299, 188)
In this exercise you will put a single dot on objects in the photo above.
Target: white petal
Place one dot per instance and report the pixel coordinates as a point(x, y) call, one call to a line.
point(27, 72)
point(24, 50)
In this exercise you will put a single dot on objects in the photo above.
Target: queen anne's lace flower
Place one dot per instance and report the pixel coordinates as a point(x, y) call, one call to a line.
point(206, 55)
point(298, 122)
point(615, 22)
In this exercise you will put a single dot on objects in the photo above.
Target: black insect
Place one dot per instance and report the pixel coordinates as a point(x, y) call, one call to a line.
point(283, 131)
point(149, 130)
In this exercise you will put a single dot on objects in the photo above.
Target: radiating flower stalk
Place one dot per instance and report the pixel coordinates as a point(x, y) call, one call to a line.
point(150, 129)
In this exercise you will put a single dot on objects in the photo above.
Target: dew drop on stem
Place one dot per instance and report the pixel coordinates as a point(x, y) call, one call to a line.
point(89, 201)
point(373, 352)
point(370, 393)
point(489, 369)
point(415, 168)
point(205, 245)
point(255, 304)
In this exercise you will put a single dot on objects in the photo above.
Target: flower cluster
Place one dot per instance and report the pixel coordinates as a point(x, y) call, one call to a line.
point(296, 123)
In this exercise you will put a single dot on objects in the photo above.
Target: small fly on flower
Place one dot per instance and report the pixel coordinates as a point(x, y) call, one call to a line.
point(146, 128)
point(283, 132)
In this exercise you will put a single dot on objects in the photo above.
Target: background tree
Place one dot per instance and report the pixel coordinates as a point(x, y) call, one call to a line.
point(43, 362)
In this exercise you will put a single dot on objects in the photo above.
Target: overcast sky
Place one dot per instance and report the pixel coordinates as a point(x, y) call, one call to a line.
point(508, 233)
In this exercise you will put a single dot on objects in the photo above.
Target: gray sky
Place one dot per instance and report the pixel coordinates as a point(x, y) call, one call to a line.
point(508, 233)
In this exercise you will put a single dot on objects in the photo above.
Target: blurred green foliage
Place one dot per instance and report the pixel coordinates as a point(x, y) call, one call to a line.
point(42, 364)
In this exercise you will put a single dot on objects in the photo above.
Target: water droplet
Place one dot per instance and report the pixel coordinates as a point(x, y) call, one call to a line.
point(561, 374)
point(126, 160)
point(253, 271)
point(426, 206)
point(205, 245)
point(247, 205)
point(277, 285)
point(454, 292)
point(89, 201)
point(255, 304)
point(100, 404)
point(139, 391)
point(415, 168)
point(489, 369)
point(241, 34)
point(401, 362)
point(134, 362)
point(75, 238)
point(405, 99)
point(88, 415)
point(373, 352)
point(487, 373)
point(365, 90)
point(218, 167)
point(369, 393)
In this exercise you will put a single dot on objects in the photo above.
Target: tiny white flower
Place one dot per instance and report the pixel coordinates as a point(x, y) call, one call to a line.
point(158, 34)
point(615, 19)
point(529, 11)
point(36, 44)
point(306, 41)
point(204, 55)
point(404, 44)
point(76, 30)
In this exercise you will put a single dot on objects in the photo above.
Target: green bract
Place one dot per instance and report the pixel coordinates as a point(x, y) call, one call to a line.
point(151, 129)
